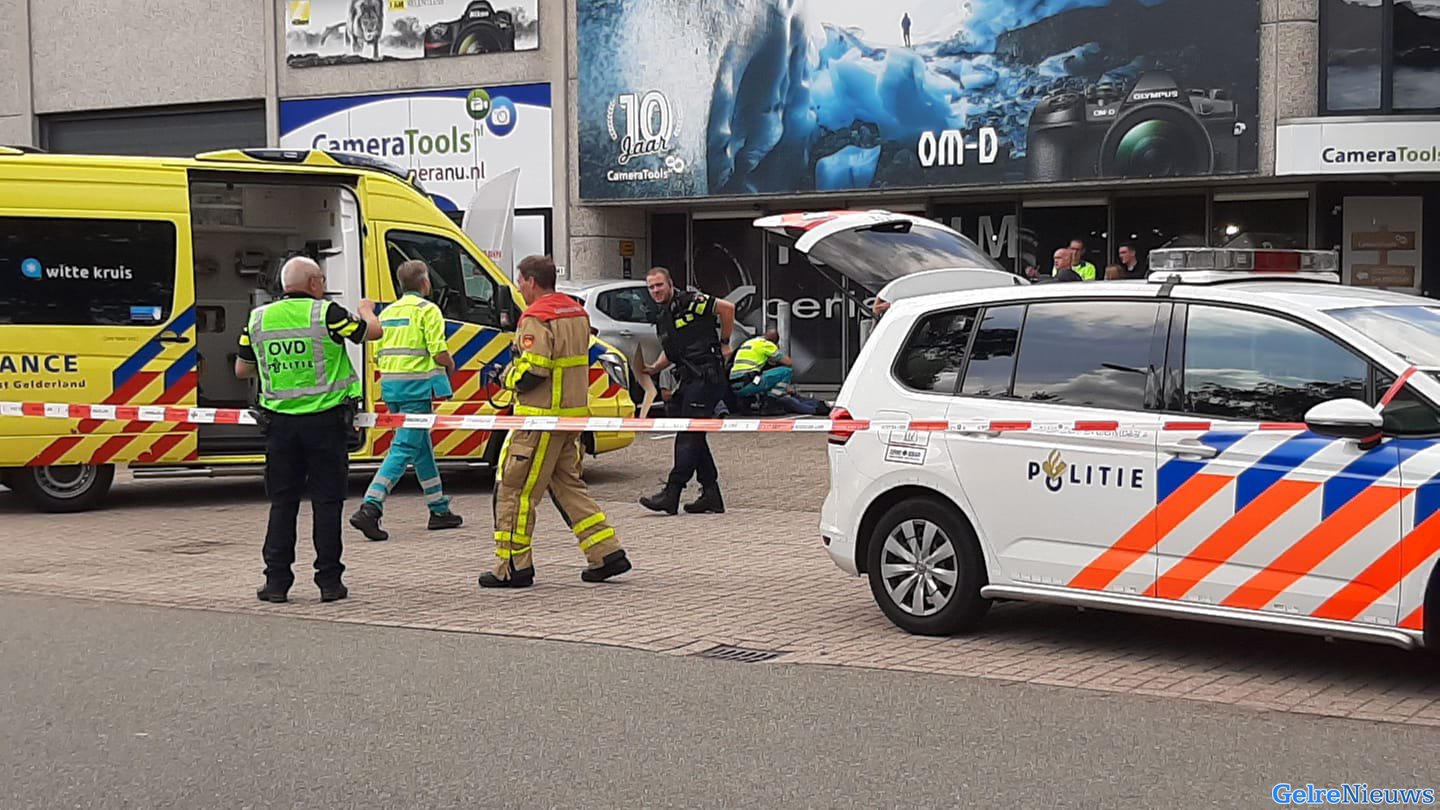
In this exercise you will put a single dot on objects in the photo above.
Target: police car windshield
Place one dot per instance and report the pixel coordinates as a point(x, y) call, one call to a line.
point(1413, 332)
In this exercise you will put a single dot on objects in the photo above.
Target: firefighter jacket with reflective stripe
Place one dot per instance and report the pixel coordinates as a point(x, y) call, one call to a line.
point(302, 368)
point(552, 341)
point(689, 332)
point(405, 353)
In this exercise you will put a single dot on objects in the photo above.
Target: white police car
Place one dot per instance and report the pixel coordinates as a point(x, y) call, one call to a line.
point(1238, 439)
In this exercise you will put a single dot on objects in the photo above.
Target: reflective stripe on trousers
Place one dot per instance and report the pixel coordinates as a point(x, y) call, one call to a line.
point(533, 463)
point(411, 447)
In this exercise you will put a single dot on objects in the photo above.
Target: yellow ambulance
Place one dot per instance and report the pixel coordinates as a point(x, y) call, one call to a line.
point(127, 280)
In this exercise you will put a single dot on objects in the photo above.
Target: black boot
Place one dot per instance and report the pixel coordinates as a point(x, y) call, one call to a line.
point(333, 593)
point(367, 520)
point(614, 564)
point(709, 501)
point(522, 578)
point(272, 593)
point(666, 500)
point(444, 520)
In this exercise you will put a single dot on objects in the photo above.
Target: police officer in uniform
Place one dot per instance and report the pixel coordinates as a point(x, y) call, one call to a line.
point(549, 375)
point(308, 394)
point(687, 329)
point(415, 369)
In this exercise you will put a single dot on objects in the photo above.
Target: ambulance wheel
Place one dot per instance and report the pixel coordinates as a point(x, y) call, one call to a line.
point(64, 487)
point(926, 569)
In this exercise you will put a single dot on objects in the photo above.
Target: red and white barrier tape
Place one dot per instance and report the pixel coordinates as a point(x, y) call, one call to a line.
point(236, 416)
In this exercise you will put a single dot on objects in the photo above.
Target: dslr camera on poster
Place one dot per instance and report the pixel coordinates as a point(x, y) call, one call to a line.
point(481, 29)
point(1158, 129)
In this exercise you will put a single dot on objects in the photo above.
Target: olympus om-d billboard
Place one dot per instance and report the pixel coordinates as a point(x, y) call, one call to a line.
point(693, 98)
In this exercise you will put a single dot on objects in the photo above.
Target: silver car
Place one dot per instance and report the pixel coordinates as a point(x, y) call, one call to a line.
point(622, 313)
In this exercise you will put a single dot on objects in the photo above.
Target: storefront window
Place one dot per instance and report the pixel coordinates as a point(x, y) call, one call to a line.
point(1353, 32)
point(668, 235)
point(1146, 223)
point(1045, 229)
point(1416, 49)
point(1366, 71)
point(1261, 223)
point(995, 227)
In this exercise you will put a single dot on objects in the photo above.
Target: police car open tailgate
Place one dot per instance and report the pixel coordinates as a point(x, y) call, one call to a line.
point(873, 248)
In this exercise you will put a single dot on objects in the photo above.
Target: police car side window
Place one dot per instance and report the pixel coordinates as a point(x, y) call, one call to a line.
point(86, 272)
point(1407, 413)
point(992, 355)
point(1091, 353)
point(934, 355)
point(1241, 364)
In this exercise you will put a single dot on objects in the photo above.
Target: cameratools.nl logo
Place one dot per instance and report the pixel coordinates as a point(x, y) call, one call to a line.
point(643, 125)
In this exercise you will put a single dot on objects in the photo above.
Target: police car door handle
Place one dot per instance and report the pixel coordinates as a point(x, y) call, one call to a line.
point(1190, 450)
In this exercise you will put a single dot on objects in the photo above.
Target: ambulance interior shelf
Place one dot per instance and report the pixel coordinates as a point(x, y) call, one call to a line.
point(243, 234)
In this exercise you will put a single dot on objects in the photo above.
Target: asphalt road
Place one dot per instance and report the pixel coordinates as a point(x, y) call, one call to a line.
point(113, 706)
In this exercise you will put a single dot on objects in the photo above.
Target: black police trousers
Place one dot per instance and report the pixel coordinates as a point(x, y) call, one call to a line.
point(305, 452)
point(695, 399)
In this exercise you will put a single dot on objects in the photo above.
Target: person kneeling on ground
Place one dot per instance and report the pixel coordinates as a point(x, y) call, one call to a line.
point(761, 371)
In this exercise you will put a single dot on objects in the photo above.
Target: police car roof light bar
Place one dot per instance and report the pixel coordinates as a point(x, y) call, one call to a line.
point(1211, 265)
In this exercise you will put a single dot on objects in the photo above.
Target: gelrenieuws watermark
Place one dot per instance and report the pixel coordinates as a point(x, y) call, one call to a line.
point(1351, 794)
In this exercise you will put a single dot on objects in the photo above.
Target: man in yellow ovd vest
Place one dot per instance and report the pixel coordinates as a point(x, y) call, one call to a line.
point(415, 369)
point(308, 392)
point(549, 375)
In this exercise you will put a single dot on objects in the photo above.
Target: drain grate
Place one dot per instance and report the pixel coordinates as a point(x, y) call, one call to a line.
point(740, 655)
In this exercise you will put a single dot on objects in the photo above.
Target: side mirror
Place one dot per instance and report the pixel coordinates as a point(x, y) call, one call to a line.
point(1344, 419)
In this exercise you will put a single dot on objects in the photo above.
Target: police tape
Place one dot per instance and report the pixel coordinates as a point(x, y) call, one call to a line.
point(588, 424)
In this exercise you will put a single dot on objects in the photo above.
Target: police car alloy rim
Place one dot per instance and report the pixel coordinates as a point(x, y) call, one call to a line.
point(917, 565)
point(65, 481)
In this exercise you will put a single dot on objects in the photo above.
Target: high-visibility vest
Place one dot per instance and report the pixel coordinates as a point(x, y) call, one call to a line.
point(1085, 270)
point(753, 355)
point(402, 352)
point(302, 368)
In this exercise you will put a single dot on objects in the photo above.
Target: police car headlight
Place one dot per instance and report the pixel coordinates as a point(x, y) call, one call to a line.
point(614, 366)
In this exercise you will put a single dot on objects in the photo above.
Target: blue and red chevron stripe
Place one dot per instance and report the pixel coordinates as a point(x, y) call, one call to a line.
point(127, 382)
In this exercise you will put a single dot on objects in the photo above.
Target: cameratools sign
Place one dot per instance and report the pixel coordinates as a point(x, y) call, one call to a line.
point(775, 97)
point(455, 139)
point(1329, 146)
point(335, 32)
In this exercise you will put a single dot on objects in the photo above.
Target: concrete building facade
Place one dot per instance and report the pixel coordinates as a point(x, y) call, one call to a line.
point(133, 77)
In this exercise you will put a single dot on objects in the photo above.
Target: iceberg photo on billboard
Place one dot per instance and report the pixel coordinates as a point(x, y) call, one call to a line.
point(784, 96)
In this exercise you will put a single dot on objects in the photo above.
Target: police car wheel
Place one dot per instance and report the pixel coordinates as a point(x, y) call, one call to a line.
point(65, 487)
point(926, 569)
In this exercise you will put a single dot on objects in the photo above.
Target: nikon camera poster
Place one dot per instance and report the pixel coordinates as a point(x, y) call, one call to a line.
point(695, 98)
point(337, 32)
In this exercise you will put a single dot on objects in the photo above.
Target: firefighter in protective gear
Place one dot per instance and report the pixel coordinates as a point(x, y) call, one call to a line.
point(549, 375)
point(415, 369)
point(308, 391)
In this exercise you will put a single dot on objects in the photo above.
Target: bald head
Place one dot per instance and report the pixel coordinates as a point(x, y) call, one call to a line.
point(300, 273)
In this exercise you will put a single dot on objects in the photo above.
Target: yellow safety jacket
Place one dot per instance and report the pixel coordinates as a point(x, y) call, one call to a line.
point(405, 353)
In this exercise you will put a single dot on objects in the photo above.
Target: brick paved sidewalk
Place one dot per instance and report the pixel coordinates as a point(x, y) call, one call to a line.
point(753, 577)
